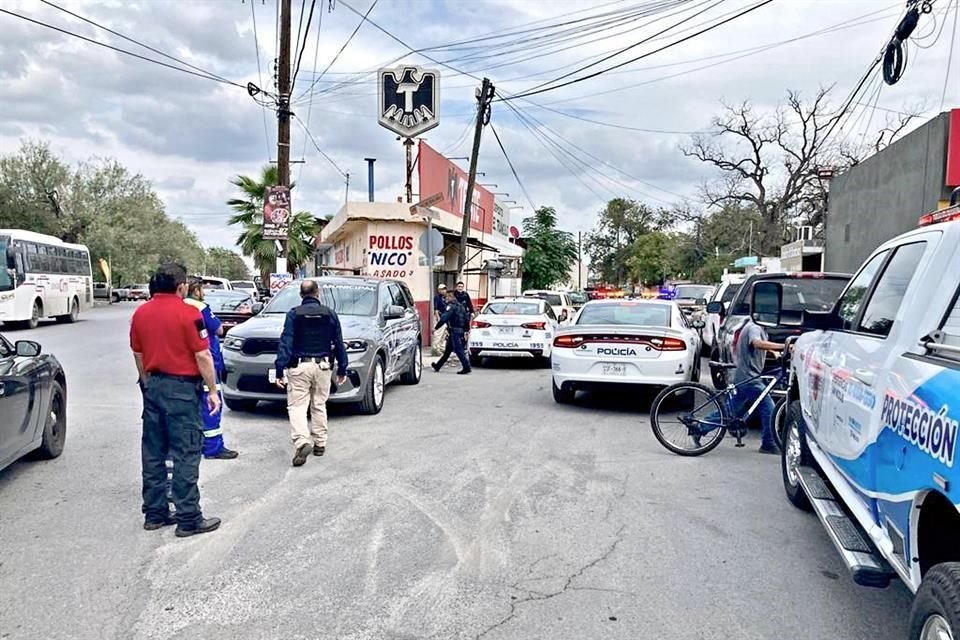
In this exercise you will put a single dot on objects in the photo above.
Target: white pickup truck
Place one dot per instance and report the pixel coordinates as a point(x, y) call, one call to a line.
point(870, 442)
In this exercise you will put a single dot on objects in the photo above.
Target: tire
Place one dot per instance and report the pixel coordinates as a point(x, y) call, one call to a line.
point(779, 421)
point(35, 314)
point(413, 374)
point(706, 405)
point(695, 372)
point(54, 425)
point(372, 401)
point(795, 453)
point(239, 404)
point(563, 394)
point(935, 612)
point(544, 362)
point(475, 360)
point(74, 314)
point(717, 376)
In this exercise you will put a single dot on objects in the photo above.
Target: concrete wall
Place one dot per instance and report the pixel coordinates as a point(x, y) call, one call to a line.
point(885, 195)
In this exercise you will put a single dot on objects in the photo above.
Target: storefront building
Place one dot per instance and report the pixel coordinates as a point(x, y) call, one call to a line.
point(386, 240)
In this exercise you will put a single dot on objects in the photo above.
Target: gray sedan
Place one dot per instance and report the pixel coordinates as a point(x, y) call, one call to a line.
point(381, 331)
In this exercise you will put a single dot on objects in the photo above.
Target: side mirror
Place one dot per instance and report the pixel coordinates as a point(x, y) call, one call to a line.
point(716, 307)
point(393, 312)
point(563, 316)
point(27, 348)
point(698, 323)
point(701, 301)
point(257, 308)
point(766, 303)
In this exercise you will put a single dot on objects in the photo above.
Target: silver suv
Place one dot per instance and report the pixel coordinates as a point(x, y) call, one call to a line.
point(381, 331)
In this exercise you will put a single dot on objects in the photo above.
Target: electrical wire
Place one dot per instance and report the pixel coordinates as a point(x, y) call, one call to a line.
point(40, 23)
point(303, 45)
point(317, 146)
point(316, 56)
point(256, 45)
point(364, 18)
point(296, 43)
point(512, 169)
point(953, 40)
point(543, 88)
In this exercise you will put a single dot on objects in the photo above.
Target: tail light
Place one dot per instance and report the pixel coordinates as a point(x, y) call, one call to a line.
point(668, 344)
point(539, 326)
point(568, 342)
point(479, 324)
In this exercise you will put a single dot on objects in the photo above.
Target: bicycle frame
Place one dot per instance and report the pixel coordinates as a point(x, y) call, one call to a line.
point(728, 393)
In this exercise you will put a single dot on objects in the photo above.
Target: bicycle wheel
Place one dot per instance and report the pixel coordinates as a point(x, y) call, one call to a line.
point(779, 421)
point(688, 418)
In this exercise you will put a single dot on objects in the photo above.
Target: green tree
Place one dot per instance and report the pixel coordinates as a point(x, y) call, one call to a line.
point(618, 226)
point(225, 263)
point(550, 252)
point(249, 216)
point(655, 257)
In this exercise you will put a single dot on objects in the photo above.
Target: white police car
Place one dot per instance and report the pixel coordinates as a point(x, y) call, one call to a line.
point(513, 327)
point(871, 435)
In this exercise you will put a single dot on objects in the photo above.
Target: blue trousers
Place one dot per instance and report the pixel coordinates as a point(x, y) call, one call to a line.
point(746, 396)
point(455, 343)
point(212, 432)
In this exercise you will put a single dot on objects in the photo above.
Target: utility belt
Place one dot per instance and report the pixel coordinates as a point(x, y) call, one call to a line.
point(323, 361)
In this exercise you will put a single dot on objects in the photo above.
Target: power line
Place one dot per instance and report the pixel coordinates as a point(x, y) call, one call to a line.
point(256, 45)
point(953, 40)
point(316, 55)
point(345, 45)
point(716, 25)
point(317, 146)
point(303, 45)
point(512, 169)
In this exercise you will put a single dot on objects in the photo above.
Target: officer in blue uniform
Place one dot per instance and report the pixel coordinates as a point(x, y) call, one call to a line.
point(457, 319)
point(213, 447)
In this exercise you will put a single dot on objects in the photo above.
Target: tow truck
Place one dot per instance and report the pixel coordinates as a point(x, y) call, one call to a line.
point(871, 435)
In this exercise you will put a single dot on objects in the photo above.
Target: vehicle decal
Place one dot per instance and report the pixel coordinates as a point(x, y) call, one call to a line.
point(933, 432)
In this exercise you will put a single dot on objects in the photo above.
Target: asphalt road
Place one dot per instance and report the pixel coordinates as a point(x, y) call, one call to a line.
point(471, 507)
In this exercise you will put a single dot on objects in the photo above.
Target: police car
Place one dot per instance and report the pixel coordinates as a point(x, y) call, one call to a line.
point(872, 427)
point(646, 342)
point(513, 327)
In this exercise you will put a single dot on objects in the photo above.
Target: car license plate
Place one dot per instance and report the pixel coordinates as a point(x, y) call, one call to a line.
point(504, 330)
point(272, 375)
point(614, 369)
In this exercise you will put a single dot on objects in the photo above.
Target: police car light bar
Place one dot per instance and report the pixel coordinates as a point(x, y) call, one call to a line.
point(945, 215)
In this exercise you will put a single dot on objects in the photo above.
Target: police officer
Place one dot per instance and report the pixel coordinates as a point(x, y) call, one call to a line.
point(311, 338)
point(464, 298)
point(172, 354)
point(457, 320)
point(441, 337)
point(213, 447)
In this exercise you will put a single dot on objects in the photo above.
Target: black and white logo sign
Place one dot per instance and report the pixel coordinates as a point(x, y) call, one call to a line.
point(409, 100)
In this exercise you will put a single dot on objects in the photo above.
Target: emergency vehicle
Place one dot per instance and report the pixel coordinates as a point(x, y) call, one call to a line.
point(870, 443)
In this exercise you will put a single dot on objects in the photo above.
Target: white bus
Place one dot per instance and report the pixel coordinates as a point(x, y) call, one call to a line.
point(44, 278)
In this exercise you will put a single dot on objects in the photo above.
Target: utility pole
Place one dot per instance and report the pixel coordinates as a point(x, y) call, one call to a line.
point(408, 144)
point(283, 110)
point(346, 193)
point(484, 97)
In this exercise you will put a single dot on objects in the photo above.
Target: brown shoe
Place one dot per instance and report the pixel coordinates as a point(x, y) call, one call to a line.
point(318, 450)
point(301, 455)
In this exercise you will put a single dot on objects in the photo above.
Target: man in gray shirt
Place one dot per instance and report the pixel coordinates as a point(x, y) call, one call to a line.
point(751, 355)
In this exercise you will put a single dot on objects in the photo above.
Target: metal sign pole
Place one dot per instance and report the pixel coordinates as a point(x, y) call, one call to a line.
point(430, 284)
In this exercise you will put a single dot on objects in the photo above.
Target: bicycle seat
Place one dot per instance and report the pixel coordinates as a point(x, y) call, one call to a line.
point(722, 365)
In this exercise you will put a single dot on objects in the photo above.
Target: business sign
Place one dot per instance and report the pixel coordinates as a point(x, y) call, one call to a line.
point(278, 281)
point(500, 225)
point(425, 203)
point(409, 100)
point(276, 213)
point(439, 175)
point(390, 255)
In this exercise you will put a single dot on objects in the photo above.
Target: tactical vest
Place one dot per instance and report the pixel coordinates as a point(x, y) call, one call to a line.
point(313, 330)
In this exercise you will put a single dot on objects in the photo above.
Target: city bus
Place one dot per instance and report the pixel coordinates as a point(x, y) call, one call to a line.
point(43, 277)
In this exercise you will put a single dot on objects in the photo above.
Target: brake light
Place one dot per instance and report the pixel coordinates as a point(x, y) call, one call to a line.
point(946, 215)
point(539, 326)
point(568, 342)
point(479, 324)
point(668, 344)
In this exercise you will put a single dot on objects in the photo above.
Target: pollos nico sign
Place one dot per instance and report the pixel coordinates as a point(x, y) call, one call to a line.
point(391, 255)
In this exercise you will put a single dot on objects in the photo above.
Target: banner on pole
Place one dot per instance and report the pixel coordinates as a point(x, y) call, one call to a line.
point(276, 213)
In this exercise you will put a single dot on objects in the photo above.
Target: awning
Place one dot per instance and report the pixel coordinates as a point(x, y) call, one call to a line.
point(471, 241)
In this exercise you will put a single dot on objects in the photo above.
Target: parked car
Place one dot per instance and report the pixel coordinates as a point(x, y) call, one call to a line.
point(137, 291)
point(247, 286)
point(560, 301)
point(692, 298)
point(802, 291)
point(578, 299)
point(724, 293)
point(33, 403)
point(615, 342)
point(232, 307)
point(212, 282)
point(381, 331)
point(102, 291)
point(513, 327)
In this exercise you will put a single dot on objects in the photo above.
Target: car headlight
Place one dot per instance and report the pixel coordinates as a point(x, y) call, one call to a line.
point(355, 346)
point(233, 343)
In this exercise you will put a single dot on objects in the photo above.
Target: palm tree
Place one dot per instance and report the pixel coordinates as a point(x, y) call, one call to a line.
point(303, 226)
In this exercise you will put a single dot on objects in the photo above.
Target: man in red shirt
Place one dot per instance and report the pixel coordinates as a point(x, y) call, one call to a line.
point(172, 353)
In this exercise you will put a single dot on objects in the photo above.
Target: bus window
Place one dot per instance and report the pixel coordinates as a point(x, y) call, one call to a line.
point(8, 273)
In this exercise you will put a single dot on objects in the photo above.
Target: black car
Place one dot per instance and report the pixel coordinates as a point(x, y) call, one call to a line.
point(33, 403)
point(802, 291)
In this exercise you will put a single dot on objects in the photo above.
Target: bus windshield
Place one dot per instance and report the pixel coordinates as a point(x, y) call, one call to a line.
point(7, 274)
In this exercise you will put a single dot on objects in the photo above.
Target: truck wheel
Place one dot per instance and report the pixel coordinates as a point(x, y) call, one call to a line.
point(717, 376)
point(779, 421)
point(795, 454)
point(413, 374)
point(372, 401)
point(935, 614)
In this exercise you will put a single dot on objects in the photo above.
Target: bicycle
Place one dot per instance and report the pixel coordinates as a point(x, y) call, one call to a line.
point(700, 417)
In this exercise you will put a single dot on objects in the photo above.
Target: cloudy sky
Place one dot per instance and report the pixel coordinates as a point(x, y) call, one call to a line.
point(189, 135)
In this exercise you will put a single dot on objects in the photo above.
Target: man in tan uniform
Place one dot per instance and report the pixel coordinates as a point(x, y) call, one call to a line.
point(310, 344)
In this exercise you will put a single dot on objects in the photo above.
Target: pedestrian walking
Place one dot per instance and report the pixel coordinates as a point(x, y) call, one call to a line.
point(213, 446)
point(457, 320)
point(172, 354)
point(440, 336)
point(310, 343)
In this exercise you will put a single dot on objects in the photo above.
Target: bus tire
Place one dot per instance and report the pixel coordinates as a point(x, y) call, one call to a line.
point(35, 316)
point(74, 314)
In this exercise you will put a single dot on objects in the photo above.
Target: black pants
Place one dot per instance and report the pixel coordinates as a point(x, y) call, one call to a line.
point(455, 344)
point(171, 428)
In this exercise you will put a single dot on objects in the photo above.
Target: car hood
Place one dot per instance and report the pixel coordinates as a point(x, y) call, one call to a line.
point(271, 326)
